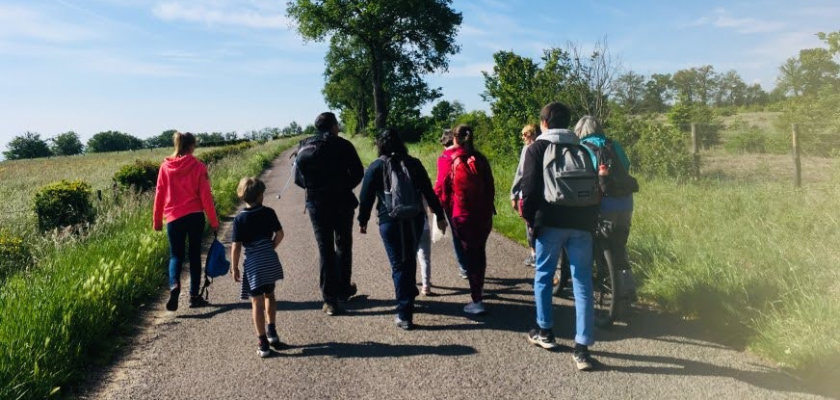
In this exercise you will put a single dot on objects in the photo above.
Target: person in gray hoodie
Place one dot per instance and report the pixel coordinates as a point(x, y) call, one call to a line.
point(529, 134)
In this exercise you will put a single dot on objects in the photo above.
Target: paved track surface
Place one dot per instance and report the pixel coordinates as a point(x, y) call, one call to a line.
point(210, 353)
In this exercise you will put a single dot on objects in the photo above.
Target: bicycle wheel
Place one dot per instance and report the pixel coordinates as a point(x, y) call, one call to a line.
point(603, 285)
point(562, 274)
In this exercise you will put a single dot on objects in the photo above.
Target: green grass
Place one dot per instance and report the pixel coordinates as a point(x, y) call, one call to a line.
point(752, 258)
point(56, 318)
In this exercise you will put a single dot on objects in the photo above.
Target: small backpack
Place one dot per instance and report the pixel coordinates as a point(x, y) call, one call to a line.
point(569, 176)
point(619, 182)
point(402, 199)
point(310, 158)
point(216, 265)
point(469, 184)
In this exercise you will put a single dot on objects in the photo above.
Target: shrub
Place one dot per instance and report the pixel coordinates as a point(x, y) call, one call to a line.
point(63, 204)
point(140, 176)
point(682, 115)
point(113, 141)
point(215, 155)
point(660, 151)
point(14, 255)
point(751, 139)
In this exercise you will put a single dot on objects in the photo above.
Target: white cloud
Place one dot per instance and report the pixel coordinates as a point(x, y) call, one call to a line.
point(251, 15)
point(721, 18)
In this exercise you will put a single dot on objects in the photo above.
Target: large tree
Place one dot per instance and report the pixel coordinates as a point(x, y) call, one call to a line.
point(415, 36)
point(28, 145)
point(629, 91)
point(658, 93)
point(66, 144)
point(113, 141)
point(790, 79)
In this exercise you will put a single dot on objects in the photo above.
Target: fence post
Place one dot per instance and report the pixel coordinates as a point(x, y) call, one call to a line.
point(797, 163)
point(695, 151)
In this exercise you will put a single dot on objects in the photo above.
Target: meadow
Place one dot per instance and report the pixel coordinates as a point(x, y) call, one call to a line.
point(58, 315)
point(738, 249)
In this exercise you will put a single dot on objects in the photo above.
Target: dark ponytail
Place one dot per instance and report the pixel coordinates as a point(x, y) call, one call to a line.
point(463, 135)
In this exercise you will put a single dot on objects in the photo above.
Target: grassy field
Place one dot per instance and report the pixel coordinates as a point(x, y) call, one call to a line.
point(57, 317)
point(753, 258)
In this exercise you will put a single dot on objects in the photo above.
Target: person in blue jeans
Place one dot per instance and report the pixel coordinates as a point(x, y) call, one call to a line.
point(401, 236)
point(617, 210)
point(556, 227)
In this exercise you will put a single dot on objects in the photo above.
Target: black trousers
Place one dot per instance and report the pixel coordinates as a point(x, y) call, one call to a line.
point(333, 226)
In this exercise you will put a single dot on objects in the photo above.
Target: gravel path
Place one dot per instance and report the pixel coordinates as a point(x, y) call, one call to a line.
point(211, 353)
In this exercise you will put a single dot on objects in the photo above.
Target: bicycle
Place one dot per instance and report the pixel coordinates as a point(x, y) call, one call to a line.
point(608, 307)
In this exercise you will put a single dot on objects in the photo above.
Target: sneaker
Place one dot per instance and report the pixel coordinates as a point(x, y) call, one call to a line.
point(426, 291)
point(263, 349)
point(403, 324)
point(198, 301)
point(273, 339)
point(172, 304)
point(332, 309)
point(462, 274)
point(530, 261)
point(474, 308)
point(542, 337)
point(352, 292)
point(582, 359)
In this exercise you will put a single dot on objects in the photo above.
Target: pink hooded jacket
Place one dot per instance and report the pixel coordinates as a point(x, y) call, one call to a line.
point(183, 188)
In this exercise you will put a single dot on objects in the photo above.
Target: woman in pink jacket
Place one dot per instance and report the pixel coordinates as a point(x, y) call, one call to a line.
point(183, 197)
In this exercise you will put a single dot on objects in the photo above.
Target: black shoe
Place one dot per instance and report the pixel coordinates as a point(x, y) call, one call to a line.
point(263, 350)
point(350, 293)
point(273, 338)
point(332, 309)
point(198, 301)
point(582, 359)
point(403, 324)
point(542, 337)
point(172, 304)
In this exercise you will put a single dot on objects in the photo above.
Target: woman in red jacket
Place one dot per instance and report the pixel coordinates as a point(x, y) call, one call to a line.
point(183, 197)
point(466, 191)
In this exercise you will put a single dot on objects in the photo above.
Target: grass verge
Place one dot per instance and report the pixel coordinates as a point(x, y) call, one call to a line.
point(57, 317)
point(757, 260)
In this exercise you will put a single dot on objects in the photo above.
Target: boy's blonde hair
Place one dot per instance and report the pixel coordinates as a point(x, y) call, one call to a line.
point(250, 189)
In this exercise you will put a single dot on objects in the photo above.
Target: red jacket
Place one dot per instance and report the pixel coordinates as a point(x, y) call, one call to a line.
point(183, 188)
point(479, 208)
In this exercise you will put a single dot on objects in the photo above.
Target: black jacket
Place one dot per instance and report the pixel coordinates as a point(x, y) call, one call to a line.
point(335, 172)
point(535, 209)
point(373, 187)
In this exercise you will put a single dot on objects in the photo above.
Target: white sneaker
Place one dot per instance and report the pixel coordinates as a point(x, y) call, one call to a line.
point(474, 308)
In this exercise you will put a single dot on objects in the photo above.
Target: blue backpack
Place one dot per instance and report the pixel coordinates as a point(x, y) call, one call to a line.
point(216, 265)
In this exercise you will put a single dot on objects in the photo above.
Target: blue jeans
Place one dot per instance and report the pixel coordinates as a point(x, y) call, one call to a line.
point(578, 245)
point(459, 251)
point(401, 239)
point(187, 228)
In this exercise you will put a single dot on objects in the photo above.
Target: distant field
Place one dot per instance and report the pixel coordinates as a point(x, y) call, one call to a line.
point(20, 179)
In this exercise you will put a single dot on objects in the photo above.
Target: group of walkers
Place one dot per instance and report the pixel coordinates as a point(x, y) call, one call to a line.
point(560, 210)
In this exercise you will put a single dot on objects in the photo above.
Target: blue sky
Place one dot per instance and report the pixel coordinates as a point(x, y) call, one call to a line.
point(144, 66)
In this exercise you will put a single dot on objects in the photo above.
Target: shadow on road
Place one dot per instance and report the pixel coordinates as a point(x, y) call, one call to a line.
point(376, 350)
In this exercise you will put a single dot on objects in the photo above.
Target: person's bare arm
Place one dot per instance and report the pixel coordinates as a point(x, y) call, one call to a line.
point(278, 237)
point(235, 253)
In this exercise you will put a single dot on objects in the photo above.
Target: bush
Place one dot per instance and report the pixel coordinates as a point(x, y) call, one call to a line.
point(682, 115)
point(751, 139)
point(140, 176)
point(113, 141)
point(14, 255)
point(212, 156)
point(63, 204)
point(660, 151)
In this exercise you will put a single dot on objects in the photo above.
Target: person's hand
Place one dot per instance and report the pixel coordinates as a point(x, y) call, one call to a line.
point(513, 204)
point(236, 275)
point(441, 224)
point(363, 229)
point(158, 228)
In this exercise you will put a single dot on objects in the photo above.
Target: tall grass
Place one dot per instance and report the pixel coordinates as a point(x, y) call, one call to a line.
point(756, 259)
point(55, 318)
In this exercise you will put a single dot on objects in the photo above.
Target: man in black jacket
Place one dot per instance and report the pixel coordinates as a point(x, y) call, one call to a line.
point(329, 168)
point(555, 227)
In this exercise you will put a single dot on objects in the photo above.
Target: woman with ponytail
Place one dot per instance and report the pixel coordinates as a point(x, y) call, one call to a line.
point(183, 197)
point(466, 191)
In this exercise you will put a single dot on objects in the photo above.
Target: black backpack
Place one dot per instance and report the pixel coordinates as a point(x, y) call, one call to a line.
point(619, 182)
point(402, 199)
point(310, 161)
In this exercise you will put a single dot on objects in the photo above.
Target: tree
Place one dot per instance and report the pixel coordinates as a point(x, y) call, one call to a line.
point(292, 129)
point(413, 37)
point(162, 140)
point(832, 39)
point(445, 113)
point(790, 79)
point(629, 91)
point(658, 93)
point(819, 70)
point(592, 77)
point(66, 144)
point(28, 145)
point(731, 89)
point(113, 141)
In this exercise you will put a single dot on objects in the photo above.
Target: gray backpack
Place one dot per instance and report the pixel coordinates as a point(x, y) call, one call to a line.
point(402, 199)
point(569, 175)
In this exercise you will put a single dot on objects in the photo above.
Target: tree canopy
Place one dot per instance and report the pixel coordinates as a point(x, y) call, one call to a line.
point(405, 38)
point(28, 145)
point(66, 144)
point(113, 141)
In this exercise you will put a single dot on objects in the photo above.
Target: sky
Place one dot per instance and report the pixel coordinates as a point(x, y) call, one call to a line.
point(145, 66)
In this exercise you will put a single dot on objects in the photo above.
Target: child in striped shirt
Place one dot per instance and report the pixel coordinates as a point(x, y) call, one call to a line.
point(258, 230)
